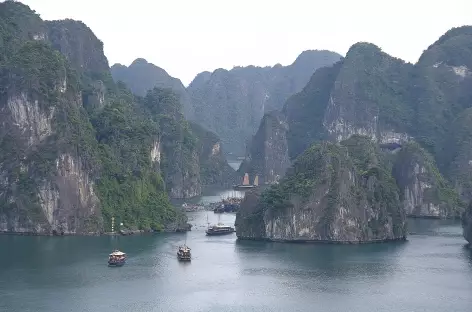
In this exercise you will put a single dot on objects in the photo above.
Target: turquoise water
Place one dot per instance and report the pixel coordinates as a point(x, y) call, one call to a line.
point(430, 272)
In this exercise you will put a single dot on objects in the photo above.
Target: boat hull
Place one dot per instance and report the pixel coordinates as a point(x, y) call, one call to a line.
point(116, 263)
point(243, 187)
point(218, 233)
point(184, 257)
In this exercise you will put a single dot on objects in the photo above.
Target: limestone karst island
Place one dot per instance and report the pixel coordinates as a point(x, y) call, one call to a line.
point(332, 177)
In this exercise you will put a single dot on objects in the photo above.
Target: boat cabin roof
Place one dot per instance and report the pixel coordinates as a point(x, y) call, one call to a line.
point(117, 253)
point(220, 225)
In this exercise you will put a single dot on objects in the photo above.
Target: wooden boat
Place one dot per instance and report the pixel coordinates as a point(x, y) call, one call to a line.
point(184, 254)
point(246, 184)
point(219, 229)
point(117, 258)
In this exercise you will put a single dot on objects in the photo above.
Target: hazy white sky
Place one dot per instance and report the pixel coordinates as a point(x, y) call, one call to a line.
point(186, 37)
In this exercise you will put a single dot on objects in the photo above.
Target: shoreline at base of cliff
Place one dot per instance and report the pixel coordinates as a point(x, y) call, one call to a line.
point(324, 242)
point(187, 228)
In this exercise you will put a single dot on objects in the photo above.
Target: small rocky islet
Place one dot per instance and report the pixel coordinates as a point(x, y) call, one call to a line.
point(351, 146)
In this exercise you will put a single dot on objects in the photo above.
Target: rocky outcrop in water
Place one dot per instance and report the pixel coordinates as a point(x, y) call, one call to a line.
point(425, 193)
point(46, 185)
point(371, 93)
point(339, 193)
point(67, 166)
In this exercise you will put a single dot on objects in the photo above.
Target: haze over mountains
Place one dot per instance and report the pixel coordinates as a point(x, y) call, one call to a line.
point(232, 102)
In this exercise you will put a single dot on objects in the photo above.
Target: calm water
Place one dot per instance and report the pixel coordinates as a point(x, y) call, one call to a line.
point(430, 272)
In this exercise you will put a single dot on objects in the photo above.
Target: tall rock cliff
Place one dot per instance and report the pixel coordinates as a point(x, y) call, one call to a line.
point(84, 51)
point(371, 93)
point(179, 158)
point(423, 189)
point(268, 147)
point(214, 168)
point(65, 166)
point(142, 76)
point(458, 153)
point(467, 224)
point(333, 193)
point(182, 178)
point(46, 184)
point(232, 103)
point(369, 97)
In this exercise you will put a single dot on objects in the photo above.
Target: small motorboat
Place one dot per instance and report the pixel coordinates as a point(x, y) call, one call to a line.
point(183, 254)
point(117, 258)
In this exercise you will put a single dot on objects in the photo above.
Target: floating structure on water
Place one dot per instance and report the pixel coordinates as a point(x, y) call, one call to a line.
point(184, 254)
point(246, 184)
point(228, 205)
point(219, 229)
point(117, 258)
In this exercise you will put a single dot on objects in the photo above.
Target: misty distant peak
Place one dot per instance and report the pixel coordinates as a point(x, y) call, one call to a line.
point(363, 47)
point(308, 56)
point(140, 61)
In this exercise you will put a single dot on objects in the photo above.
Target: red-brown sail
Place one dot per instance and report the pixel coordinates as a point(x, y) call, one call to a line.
point(246, 179)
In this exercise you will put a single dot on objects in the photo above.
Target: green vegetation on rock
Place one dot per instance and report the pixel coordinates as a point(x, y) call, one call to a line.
point(333, 192)
point(231, 103)
point(69, 166)
point(142, 77)
point(304, 110)
point(422, 187)
point(214, 168)
point(371, 93)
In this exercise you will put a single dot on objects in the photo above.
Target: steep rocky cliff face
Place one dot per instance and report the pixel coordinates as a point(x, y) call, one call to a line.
point(185, 169)
point(84, 51)
point(458, 154)
point(66, 167)
point(422, 188)
point(333, 193)
point(369, 96)
point(371, 93)
point(214, 168)
point(179, 157)
point(232, 103)
point(268, 157)
point(46, 185)
point(467, 224)
point(142, 76)
point(79, 45)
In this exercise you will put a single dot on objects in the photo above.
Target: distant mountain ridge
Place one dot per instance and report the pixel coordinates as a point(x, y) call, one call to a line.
point(229, 103)
point(142, 76)
point(232, 102)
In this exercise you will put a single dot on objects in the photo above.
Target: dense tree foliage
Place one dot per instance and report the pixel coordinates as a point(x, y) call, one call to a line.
point(59, 65)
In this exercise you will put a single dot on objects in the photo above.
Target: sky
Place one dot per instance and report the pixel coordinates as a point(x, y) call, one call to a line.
point(186, 37)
